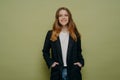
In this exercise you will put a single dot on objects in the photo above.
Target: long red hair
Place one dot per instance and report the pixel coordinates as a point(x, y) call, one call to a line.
point(71, 26)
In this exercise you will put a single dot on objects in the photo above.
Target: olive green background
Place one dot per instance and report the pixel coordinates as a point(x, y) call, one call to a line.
point(23, 26)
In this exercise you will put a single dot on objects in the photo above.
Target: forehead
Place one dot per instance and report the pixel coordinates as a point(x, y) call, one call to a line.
point(63, 11)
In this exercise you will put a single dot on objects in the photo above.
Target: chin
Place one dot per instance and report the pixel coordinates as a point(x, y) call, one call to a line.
point(64, 24)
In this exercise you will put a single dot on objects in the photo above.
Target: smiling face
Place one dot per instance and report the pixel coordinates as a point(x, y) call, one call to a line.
point(63, 17)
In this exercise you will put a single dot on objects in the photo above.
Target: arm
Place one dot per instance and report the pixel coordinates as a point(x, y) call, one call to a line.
point(79, 52)
point(46, 50)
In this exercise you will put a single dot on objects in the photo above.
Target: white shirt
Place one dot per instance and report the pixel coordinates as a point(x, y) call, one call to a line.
point(64, 38)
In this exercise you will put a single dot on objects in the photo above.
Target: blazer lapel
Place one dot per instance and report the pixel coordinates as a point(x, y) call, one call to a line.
point(59, 48)
point(70, 43)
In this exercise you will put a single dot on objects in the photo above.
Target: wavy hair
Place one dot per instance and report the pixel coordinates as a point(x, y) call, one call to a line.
point(71, 26)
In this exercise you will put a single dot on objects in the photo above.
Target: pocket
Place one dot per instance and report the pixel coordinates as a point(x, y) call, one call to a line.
point(55, 73)
point(75, 72)
point(56, 67)
point(77, 67)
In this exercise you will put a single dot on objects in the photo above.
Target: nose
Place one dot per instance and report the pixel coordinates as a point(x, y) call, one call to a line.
point(63, 17)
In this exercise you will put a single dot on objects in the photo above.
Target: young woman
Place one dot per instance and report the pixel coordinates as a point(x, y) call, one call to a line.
point(62, 48)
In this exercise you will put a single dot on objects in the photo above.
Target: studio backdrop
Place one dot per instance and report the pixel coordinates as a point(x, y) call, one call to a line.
point(24, 24)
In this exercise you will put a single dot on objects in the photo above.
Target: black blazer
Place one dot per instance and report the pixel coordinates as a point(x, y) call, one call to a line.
point(52, 53)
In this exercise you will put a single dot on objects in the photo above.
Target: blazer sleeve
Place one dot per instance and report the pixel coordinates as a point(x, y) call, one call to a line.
point(79, 52)
point(46, 50)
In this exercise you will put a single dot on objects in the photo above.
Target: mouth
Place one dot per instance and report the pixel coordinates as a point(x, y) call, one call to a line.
point(63, 20)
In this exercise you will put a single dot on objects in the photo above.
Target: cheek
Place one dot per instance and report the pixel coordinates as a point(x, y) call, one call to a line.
point(59, 18)
point(67, 18)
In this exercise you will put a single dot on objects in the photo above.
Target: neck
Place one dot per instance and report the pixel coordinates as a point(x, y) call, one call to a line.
point(64, 29)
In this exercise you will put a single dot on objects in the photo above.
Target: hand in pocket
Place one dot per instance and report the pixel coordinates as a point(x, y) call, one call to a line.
point(54, 64)
point(78, 64)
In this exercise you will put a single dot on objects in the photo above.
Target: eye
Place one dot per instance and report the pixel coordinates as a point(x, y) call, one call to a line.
point(66, 14)
point(60, 15)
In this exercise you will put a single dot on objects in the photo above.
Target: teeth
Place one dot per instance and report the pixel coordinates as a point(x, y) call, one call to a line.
point(63, 20)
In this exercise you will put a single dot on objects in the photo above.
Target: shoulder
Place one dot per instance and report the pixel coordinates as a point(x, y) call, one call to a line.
point(77, 35)
point(49, 33)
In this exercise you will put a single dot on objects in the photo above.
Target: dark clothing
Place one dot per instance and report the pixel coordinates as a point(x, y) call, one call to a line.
point(52, 53)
